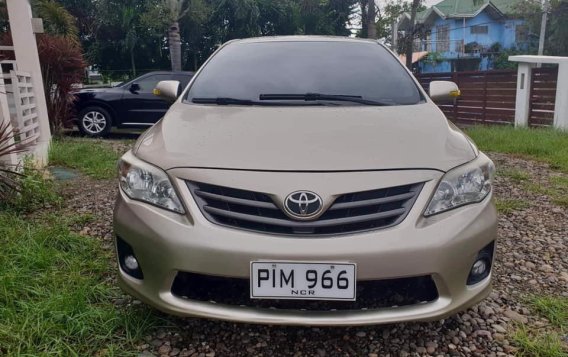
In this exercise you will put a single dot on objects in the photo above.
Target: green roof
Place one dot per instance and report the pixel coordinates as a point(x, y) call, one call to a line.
point(457, 8)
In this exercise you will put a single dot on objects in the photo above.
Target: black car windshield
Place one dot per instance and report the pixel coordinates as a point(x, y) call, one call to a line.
point(295, 72)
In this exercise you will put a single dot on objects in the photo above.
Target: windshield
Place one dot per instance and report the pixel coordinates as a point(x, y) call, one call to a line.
point(291, 71)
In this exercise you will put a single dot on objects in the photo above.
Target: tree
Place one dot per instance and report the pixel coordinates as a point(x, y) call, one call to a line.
point(61, 60)
point(388, 14)
point(128, 26)
point(371, 19)
point(409, 40)
point(377, 17)
point(176, 11)
point(556, 37)
point(123, 44)
point(326, 17)
point(132, 36)
point(57, 20)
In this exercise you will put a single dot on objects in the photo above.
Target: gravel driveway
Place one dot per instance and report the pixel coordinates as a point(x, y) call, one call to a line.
point(532, 259)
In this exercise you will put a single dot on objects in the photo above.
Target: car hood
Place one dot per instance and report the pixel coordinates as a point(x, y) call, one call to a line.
point(315, 138)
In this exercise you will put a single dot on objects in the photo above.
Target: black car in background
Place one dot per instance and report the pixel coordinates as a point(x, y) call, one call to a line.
point(129, 104)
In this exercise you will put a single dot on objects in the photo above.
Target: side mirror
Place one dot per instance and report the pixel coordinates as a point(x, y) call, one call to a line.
point(134, 88)
point(443, 91)
point(167, 90)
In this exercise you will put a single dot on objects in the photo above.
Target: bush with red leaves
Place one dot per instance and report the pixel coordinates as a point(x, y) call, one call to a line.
point(62, 67)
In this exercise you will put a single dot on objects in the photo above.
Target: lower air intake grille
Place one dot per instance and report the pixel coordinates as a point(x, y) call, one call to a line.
point(352, 212)
point(371, 294)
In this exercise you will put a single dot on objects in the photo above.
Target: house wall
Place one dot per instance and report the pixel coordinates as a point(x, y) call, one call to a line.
point(498, 31)
point(509, 31)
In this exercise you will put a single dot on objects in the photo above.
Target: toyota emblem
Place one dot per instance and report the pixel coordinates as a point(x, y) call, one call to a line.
point(303, 204)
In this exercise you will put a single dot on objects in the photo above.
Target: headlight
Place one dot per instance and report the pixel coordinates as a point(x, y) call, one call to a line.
point(144, 182)
point(469, 183)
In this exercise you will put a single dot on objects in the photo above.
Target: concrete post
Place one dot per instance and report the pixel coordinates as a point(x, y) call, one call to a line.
point(523, 95)
point(27, 58)
point(561, 104)
point(522, 104)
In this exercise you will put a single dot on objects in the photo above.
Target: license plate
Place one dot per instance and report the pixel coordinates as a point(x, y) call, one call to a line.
point(304, 281)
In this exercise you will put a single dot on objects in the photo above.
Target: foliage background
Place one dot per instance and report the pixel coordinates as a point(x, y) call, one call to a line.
point(127, 37)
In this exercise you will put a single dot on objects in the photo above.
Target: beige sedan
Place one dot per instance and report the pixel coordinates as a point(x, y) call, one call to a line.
point(306, 181)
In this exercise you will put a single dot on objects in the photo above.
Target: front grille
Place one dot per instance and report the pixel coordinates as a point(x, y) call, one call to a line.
point(352, 212)
point(371, 294)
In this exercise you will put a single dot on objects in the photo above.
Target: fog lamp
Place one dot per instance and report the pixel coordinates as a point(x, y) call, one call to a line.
point(130, 262)
point(127, 259)
point(479, 267)
point(482, 265)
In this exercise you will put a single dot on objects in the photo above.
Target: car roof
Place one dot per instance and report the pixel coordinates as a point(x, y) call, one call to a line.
point(300, 38)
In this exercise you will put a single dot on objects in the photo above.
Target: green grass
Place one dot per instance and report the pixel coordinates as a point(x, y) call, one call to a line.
point(554, 309)
point(94, 158)
point(55, 294)
point(531, 344)
point(557, 190)
point(545, 145)
point(514, 174)
point(506, 206)
point(536, 343)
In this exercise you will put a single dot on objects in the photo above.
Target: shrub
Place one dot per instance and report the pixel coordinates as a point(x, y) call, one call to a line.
point(36, 191)
point(9, 175)
point(22, 187)
point(62, 66)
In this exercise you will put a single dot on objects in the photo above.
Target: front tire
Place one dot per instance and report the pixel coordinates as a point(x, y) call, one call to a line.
point(94, 122)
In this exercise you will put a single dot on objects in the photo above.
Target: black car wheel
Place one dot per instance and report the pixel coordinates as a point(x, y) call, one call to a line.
point(94, 122)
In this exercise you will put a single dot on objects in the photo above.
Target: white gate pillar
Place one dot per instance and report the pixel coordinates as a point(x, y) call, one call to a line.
point(561, 104)
point(27, 59)
point(522, 103)
point(522, 106)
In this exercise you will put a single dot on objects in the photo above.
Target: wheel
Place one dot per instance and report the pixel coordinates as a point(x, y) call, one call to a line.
point(94, 122)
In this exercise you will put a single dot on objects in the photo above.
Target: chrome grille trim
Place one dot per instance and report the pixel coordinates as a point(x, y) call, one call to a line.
point(349, 213)
point(309, 224)
point(376, 201)
point(235, 200)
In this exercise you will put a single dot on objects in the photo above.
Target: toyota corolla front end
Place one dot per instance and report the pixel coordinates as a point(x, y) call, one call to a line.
point(305, 181)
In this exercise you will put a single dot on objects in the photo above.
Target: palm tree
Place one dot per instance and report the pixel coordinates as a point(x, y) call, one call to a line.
point(177, 12)
point(129, 29)
point(57, 20)
point(371, 20)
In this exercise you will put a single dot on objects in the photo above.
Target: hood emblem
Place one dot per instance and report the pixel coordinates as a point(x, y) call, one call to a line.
point(303, 204)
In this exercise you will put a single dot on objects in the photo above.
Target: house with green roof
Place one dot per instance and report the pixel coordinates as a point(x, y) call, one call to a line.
point(462, 35)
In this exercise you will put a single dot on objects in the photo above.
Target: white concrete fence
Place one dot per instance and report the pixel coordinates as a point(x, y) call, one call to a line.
point(22, 96)
point(18, 109)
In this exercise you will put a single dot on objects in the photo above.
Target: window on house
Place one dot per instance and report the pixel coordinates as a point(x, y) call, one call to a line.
point(521, 33)
point(459, 46)
point(442, 38)
point(479, 29)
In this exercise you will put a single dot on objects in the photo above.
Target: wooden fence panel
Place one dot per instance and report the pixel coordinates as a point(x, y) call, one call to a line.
point(488, 97)
point(543, 96)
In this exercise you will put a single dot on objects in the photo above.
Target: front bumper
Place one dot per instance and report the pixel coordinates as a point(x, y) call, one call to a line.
point(442, 246)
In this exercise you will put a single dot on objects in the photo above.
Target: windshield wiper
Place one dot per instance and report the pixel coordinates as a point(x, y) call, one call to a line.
point(318, 96)
point(224, 101)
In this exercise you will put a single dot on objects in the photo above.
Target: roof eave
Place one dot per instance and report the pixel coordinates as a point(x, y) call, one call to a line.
point(489, 6)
